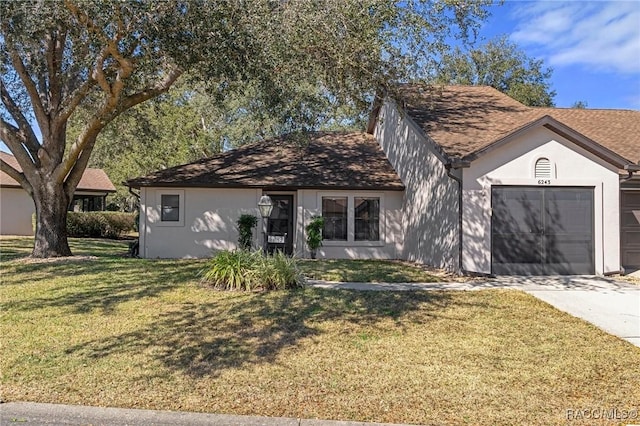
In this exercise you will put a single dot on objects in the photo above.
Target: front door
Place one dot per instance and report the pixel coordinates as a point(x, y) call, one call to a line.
point(542, 230)
point(280, 224)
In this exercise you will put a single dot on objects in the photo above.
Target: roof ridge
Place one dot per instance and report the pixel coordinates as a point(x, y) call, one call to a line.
point(588, 109)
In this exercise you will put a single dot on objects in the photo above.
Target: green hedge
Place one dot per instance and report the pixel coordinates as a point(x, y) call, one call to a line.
point(100, 224)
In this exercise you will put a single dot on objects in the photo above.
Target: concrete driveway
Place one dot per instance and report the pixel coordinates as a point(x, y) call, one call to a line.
point(611, 305)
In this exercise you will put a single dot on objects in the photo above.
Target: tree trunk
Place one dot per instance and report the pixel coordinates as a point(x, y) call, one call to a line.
point(51, 203)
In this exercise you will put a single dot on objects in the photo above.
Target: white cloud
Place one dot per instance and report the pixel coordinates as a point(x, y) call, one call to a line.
point(601, 34)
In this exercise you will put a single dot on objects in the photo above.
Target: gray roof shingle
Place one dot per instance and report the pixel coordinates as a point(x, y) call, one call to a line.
point(326, 160)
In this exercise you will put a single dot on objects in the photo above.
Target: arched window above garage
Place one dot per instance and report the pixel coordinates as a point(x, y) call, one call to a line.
point(543, 168)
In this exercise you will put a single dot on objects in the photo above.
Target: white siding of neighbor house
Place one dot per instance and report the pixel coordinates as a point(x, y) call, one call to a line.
point(209, 215)
point(16, 212)
point(430, 205)
point(391, 235)
point(208, 221)
point(514, 164)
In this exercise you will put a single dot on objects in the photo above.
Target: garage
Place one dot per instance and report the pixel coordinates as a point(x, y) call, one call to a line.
point(630, 227)
point(542, 230)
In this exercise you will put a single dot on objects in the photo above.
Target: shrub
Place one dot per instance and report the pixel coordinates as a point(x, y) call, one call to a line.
point(229, 270)
point(314, 234)
point(99, 224)
point(277, 272)
point(246, 223)
point(252, 270)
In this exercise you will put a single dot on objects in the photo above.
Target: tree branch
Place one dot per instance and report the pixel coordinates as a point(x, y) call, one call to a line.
point(25, 130)
point(55, 49)
point(32, 90)
point(16, 175)
point(159, 88)
point(80, 165)
point(72, 101)
point(10, 135)
point(81, 144)
point(81, 149)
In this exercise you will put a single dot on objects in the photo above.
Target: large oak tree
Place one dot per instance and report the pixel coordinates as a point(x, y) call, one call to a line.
point(105, 57)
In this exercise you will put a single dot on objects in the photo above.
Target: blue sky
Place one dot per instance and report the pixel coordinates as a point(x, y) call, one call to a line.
point(592, 46)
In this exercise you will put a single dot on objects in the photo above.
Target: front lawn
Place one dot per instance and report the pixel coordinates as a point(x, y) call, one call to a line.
point(114, 331)
point(376, 271)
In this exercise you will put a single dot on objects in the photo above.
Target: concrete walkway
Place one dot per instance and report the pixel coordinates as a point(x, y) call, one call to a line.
point(29, 413)
point(611, 305)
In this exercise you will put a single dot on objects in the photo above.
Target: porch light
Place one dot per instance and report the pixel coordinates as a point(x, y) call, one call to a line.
point(265, 205)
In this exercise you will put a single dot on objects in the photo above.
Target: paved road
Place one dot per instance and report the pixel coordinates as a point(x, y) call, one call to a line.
point(28, 413)
point(611, 305)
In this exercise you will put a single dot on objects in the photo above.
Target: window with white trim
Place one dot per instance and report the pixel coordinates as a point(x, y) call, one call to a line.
point(352, 220)
point(170, 208)
point(334, 212)
point(170, 205)
point(367, 219)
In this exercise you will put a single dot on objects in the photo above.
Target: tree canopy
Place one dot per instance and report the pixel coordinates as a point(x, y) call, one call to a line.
point(186, 124)
point(105, 57)
point(502, 65)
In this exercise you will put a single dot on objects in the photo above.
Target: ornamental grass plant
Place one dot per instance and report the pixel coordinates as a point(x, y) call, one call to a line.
point(252, 270)
point(276, 271)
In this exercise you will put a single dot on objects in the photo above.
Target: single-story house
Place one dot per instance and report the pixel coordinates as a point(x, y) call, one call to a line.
point(17, 208)
point(458, 177)
point(190, 210)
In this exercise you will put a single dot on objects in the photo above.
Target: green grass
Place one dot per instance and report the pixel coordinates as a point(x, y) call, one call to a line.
point(139, 333)
point(376, 271)
point(12, 248)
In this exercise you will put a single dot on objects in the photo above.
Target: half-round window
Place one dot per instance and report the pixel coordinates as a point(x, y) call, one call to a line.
point(543, 168)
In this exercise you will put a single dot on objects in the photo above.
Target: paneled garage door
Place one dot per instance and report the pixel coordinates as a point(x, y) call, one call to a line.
point(630, 222)
point(542, 230)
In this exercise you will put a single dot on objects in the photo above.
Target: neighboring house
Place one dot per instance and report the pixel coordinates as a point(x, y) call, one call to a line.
point(463, 178)
point(17, 208)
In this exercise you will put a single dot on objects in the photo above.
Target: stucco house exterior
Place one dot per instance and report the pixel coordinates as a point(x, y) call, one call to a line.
point(458, 177)
point(190, 210)
point(17, 208)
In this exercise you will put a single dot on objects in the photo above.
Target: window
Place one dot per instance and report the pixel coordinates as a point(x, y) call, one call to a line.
point(87, 203)
point(334, 212)
point(353, 219)
point(170, 208)
point(367, 219)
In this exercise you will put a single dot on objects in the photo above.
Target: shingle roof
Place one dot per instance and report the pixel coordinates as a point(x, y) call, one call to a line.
point(92, 179)
point(466, 119)
point(321, 160)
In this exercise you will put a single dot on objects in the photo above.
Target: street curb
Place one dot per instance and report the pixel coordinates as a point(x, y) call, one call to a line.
point(31, 413)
